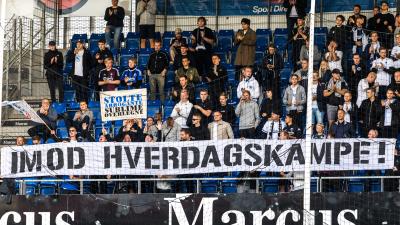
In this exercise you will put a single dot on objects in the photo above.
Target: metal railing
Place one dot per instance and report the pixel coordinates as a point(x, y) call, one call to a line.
point(318, 181)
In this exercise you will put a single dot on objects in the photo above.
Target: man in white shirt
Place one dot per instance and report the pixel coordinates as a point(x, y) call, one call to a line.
point(395, 53)
point(249, 83)
point(364, 85)
point(272, 128)
point(181, 111)
point(391, 115)
point(334, 56)
point(385, 69)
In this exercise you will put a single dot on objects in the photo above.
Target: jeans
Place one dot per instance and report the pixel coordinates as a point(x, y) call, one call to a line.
point(157, 80)
point(317, 116)
point(117, 33)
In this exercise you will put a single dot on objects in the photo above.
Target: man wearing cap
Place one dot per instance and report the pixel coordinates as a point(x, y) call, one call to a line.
point(176, 43)
point(147, 10)
point(53, 63)
point(81, 64)
point(114, 16)
point(246, 40)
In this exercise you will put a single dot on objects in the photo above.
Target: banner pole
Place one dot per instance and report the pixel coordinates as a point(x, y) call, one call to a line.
point(2, 33)
point(308, 216)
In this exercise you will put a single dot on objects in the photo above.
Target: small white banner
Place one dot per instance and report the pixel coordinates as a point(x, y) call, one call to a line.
point(121, 105)
point(173, 158)
point(25, 109)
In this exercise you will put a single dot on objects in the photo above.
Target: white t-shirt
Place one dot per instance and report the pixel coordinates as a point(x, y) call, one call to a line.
point(382, 77)
point(79, 63)
point(293, 12)
point(314, 93)
point(335, 64)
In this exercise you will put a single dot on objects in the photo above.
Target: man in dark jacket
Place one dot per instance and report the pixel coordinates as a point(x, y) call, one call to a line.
point(49, 116)
point(357, 14)
point(389, 121)
point(341, 128)
point(81, 64)
point(338, 33)
point(197, 129)
point(217, 77)
point(203, 107)
point(184, 52)
point(114, 16)
point(370, 111)
point(183, 84)
point(98, 60)
point(53, 63)
point(271, 66)
point(227, 111)
point(295, 9)
point(157, 68)
point(372, 21)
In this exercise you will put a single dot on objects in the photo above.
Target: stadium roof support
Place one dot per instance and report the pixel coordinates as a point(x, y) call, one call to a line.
point(2, 33)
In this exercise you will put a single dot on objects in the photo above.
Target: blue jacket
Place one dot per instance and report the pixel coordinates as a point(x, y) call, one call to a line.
point(135, 77)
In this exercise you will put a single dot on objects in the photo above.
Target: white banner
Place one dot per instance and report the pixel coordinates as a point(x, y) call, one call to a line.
point(120, 105)
point(25, 109)
point(173, 158)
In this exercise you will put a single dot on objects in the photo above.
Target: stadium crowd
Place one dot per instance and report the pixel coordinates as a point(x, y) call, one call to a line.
point(355, 84)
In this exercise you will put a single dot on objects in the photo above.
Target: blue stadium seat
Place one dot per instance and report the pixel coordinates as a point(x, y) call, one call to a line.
point(285, 76)
point(132, 43)
point(29, 141)
point(187, 35)
point(73, 106)
point(62, 133)
point(126, 54)
point(61, 123)
point(168, 34)
point(94, 105)
point(143, 57)
point(60, 108)
point(77, 37)
point(168, 107)
point(229, 186)
point(153, 107)
point(97, 117)
point(270, 186)
point(170, 80)
point(48, 187)
point(263, 38)
point(225, 40)
point(222, 55)
point(132, 35)
point(356, 185)
point(69, 96)
point(68, 186)
point(50, 141)
point(259, 57)
point(31, 187)
point(209, 186)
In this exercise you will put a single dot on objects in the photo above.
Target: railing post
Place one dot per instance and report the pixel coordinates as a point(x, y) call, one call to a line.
point(320, 184)
point(19, 56)
point(257, 186)
point(30, 55)
point(81, 187)
point(14, 34)
point(198, 186)
point(216, 15)
point(165, 15)
point(321, 14)
point(382, 184)
point(269, 15)
point(43, 39)
point(139, 184)
point(8, 69)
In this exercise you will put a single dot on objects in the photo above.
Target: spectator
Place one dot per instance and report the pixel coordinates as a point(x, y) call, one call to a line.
point(217, 78)
point(325, 73)
point(132, 77)
point(49, 116)
point(359, 36)
point(293, 130)
point(246, 40)
point(350, 109)
point(300, 36)
point(294, 99)
point(147, 10)
point(73, 135)
point(352, 21)
point(184, 52)
point(169, 131)
point(183, 85)
point(219, 129)
point(319, 131)
point(36, 140)
point(304, 53)
point(364, 85)
point(338, 34)
point(157, 68)
point(150, 128)
point(373, 133)
point(356, 73)
point(54, 63)
point(272, 64)
point(334, 56)
point(248, 113)
point(105, 136)
point(148, 138)
point(295, 9)
point(20, 141)
point(203, 107)
point(248, 83)
point(83, 116)
point(372, 21)
point(109, 77)
point(397, 26)
point(269, 103)
point(385, 25)
point(197, 128)
point(188, 71)
point(271, 128)
point(98, 60)
point(385, 69)
point(81, 64)
point(372, 49)
point(334, 92)
point(370, 112)
point(318, 100)
point(395, 85)
point(202, 41)
point(176, 43)
point(341, 128)
point(395, 53)
point(302, 73)
point(182, 109)
point(185, 135)
point(227, 111)
point(389, 121)
point(131, 131)
point(114, 16)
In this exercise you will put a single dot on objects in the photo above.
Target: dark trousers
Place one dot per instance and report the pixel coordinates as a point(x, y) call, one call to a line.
point(39, 130)
point(78, 123)
point(81, 88)
point(389, 131)
point(247, 133)
point(203, 62)
point(290, 22)
point(270, 81)
point(56, 82)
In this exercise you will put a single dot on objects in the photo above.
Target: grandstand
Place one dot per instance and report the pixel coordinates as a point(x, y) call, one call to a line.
point(240, 109)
